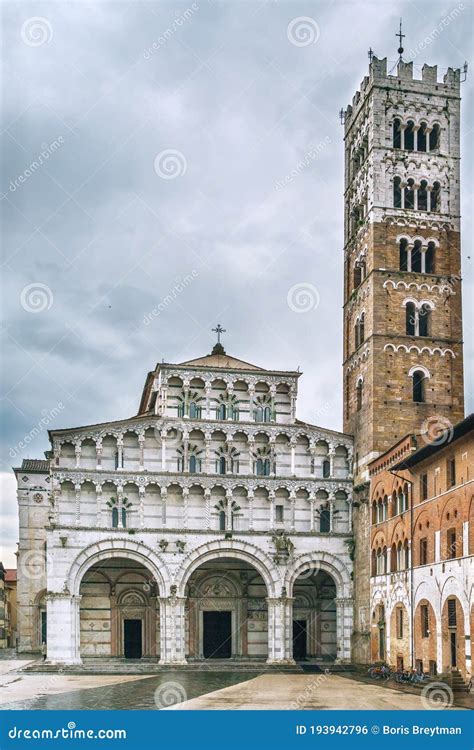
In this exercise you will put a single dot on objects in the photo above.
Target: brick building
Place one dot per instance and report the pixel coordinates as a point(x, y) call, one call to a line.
point(422, 552)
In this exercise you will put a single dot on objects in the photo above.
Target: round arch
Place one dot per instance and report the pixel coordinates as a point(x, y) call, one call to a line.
point(110, 548)
point(325, 561)
point(233, 549)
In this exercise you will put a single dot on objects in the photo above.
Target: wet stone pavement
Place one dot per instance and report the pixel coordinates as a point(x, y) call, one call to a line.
point(162, 691)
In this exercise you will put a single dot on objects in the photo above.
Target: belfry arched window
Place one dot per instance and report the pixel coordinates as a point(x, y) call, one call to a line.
point(418, 386)
point(359, 393)
point(436, 197)
point(397, 192)
point(434, 138)
point(397, 134)
point(424, 314)
point(410, 194)
point(403, 250)
point(430, 258)
point(421, 141)
point(410, 312)
point(423, 196)
point(410, 136)
point(416, 257)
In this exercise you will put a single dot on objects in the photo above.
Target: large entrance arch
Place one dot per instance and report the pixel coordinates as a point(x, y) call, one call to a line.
point(119, 610)
point(314, 616)
point(226, 611)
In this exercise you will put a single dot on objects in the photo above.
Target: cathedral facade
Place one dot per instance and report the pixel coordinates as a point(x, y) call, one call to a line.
point(214, 524)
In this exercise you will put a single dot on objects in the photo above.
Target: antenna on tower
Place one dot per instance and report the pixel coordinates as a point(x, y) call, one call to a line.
point(342, 116)
point(463, 73)
point(401, 37)
point(370, 54)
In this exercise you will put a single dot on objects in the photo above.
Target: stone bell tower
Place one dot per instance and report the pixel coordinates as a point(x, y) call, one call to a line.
point(403, 359)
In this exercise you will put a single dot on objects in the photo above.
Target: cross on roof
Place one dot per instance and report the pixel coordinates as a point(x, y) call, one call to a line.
point(401, 37)
point(218, 329)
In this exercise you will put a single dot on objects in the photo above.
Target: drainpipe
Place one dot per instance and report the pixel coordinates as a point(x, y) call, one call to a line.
point(412, 615)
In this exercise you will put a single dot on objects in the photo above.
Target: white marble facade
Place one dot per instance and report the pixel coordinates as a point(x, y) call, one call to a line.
point(215, 498)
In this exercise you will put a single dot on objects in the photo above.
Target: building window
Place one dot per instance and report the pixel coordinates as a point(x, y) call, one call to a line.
point(416, 257)
point(326, 469)
point(430, 258)
point(423, 196)
point(397, 192)
point(425, 622)
point(452, 620)
point(124, 518)
point(451, 466)
point(424, 551)
point(418, 392)
point(421, 140)
point(403, 248)
point(194, 410)
point(451, 551)
point(424, 487)
point(434, 138)
point(410, 193)
point(397, 134)
point(410, 316)
point(436, 197)
point(410, 136)
point(115, 518)
point(399, 616)
point(221, 465)
point(194, 464)
point(279, 513)
point(424, 320)
point(181, 409)
point(221, 411)
point(262, 467)
point(324, 520)
point(222, 520)
point(359, 393)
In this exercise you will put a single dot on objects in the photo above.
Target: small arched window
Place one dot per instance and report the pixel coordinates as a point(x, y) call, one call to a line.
point(397, 134)
point(359, 394)
point(410, 318)
point(397, 192)
point(357, 275)
point(115, 517)
point(124, 517)
point(424, 320)
point(421, 145)
point(222, 520)
point(423, 196)
point(416, 257)
point(192, 464)
point(436, 197)
point(324, 520)
point(194, 410)
point(267, 414)
point(430, 258)
point(434, 138)
point(362, 328)
point(326, 468)
point(221, 412)
point(374, 512)
point(410, 194)
point(222, 465)
point(403, 255)
point(259, 414)
point(410, 136)
point(418, 386)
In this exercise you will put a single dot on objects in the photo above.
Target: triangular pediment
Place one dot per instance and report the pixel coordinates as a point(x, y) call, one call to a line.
point(221, 360)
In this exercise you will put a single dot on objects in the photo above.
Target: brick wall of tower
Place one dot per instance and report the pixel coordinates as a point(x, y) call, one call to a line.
point(374, 228)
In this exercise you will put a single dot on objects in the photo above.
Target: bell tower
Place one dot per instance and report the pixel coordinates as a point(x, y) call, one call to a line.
point(403, 358)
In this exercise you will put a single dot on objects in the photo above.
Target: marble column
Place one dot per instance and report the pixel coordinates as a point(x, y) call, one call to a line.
point(63, 628)
point(172, 630)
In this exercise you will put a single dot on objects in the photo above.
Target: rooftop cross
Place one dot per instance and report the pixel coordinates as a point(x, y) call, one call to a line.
point(371, 54)
point(219, 330)
point(401, 37)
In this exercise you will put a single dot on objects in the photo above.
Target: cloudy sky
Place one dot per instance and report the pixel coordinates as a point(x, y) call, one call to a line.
point(162, 133)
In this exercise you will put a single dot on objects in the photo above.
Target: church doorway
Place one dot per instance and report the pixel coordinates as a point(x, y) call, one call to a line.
point(217, 636)
point(300, 634)
point(132, 639)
